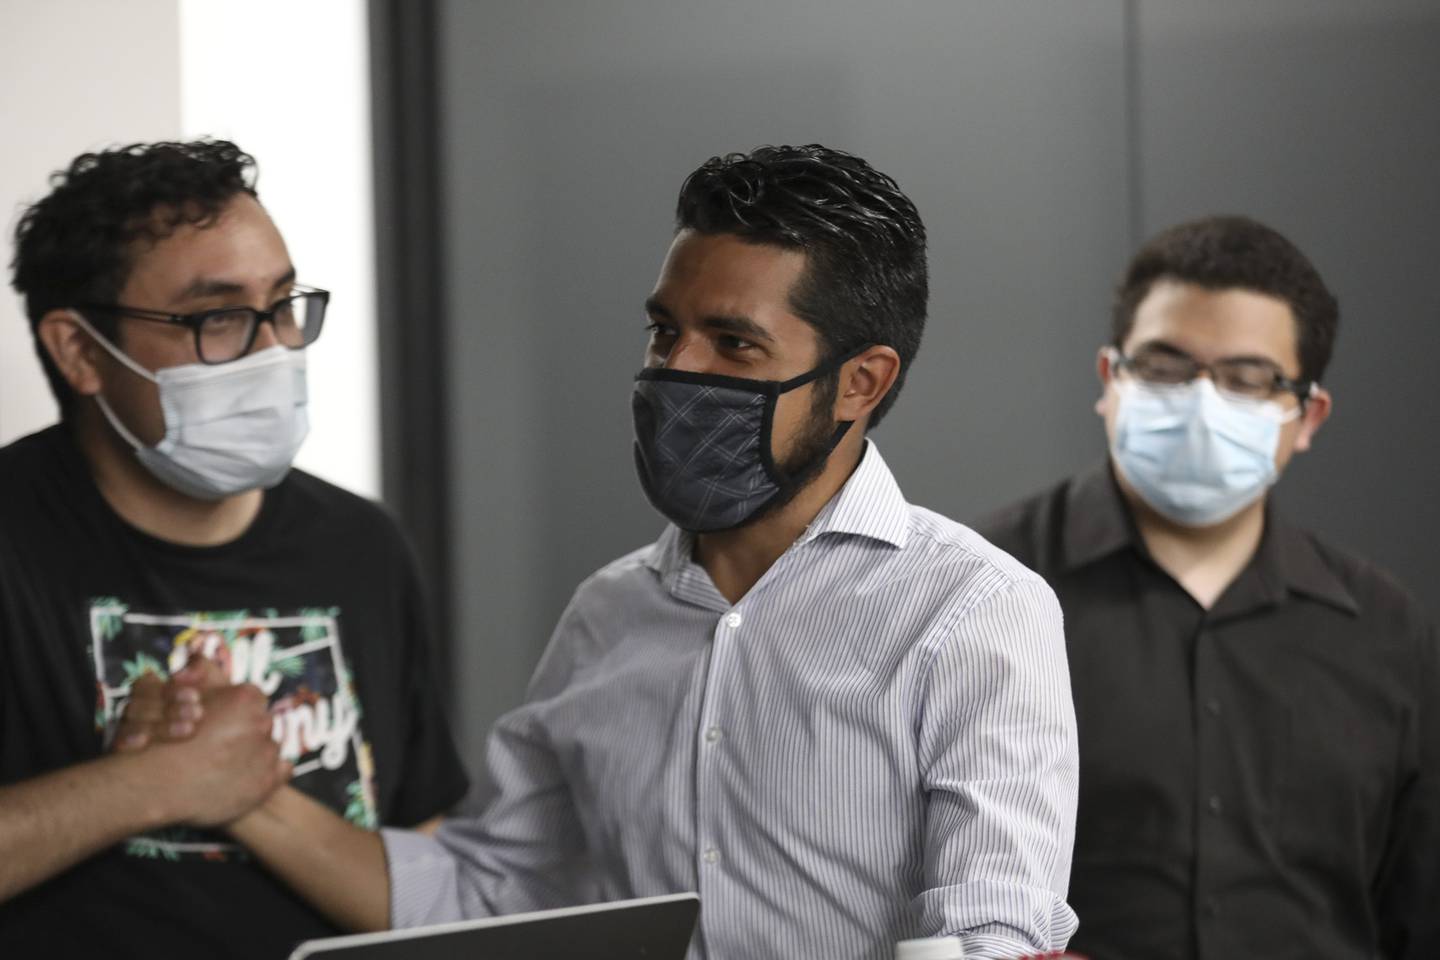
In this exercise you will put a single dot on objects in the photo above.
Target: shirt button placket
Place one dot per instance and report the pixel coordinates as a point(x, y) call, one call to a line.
point(1209, 786)
point(729, 623)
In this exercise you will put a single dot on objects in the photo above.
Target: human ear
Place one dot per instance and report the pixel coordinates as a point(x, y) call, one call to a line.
point(864, 381)
point(1105, 370)
point(1317, 410)
point(73, 351)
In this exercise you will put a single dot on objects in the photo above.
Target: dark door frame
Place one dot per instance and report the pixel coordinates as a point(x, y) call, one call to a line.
point(410, 298)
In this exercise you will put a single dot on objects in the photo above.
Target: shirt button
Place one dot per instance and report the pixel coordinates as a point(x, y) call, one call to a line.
point(712, 735)
point(733, 619)
point(1211, 908)
point(1215, 804)
point(1212, 707)
point(712, 855)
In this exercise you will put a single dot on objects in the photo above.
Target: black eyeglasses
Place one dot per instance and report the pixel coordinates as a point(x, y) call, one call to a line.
point(228, 333)
point(1245, 377)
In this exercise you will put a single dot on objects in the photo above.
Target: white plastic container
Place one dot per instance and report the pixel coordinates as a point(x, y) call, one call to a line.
point(931, 948)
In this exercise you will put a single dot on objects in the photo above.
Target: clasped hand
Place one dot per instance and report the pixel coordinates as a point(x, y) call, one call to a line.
point(210, 743)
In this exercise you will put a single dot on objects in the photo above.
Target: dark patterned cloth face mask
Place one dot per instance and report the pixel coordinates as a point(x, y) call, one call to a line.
point(702, 444)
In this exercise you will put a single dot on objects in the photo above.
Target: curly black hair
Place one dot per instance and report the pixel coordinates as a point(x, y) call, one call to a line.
point(866, 279)
point(78, 244)
point(1226, 252)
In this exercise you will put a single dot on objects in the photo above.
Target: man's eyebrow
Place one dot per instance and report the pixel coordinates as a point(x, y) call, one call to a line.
point(1159, 346)
point(1253, 358)
point(285, 279)
point(202, 287)
point(1162, 346)
point(739, 325)
point(742, 326)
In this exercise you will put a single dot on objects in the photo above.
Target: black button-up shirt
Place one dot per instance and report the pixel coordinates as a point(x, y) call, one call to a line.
point(1259, 780)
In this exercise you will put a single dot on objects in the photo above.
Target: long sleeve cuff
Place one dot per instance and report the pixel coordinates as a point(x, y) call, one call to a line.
point(997, 920)
point(424, 880)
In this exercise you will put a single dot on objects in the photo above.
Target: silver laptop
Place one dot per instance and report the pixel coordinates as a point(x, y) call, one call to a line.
point(653, 928)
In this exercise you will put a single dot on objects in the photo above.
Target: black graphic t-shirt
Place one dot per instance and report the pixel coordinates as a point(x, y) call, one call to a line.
point(318, 604)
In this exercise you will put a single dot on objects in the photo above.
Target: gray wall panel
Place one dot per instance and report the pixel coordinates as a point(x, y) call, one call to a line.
point(569, 127)
point(1323, 119)
point(1034, 149)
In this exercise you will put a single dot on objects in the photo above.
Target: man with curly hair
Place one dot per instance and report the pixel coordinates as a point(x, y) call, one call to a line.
point(161, 518)
point(843, 719)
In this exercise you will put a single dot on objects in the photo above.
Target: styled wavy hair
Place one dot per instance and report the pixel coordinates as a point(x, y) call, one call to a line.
point(79, 243)
point(865, 279)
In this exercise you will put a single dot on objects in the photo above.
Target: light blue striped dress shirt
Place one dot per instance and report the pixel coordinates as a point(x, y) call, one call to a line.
point(877, 742)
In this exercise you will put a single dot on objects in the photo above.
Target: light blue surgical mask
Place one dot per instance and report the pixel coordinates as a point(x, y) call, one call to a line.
point(229, 427)
point(1194, 454)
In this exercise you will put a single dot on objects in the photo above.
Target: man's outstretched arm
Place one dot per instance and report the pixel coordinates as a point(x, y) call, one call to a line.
point(335, 865)
point(52, 822)
point(338, 867)
point(527, 852)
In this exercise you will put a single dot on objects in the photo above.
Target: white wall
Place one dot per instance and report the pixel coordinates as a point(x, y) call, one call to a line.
point(287, 81)
point(74, 75)
point(295, 93)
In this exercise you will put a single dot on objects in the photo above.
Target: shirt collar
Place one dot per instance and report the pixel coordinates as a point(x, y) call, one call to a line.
point(1098, 523)
point(671, 552)
point(1291, 558)
point(870, 504)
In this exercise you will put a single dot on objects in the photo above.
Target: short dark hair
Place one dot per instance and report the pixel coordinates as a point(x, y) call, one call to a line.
point(78, 244)
point(865, 280)
point(1224, 252)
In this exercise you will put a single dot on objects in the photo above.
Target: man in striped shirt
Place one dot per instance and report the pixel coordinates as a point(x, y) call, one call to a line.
point(843, 719)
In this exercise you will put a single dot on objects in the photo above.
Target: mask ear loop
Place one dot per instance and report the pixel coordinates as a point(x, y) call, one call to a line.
point(1307, 396)
point(110, 348)
point(1297, 411)
point(100, 400)
point(767, 427)
point(830, 366)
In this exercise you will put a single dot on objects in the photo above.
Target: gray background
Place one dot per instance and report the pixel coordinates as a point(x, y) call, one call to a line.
point(1040, 140)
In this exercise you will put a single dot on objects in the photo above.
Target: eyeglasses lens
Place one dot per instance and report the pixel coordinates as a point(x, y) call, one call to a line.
point(227, 334)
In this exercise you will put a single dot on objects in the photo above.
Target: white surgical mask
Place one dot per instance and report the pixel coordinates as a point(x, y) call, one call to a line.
point(229, 427)
point(1195, 455)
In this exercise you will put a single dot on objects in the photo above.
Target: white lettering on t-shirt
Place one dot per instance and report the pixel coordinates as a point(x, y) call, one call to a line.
point(250, 662)
point(326, 724)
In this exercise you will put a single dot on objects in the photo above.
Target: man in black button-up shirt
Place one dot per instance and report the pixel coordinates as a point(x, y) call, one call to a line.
point(1259, 713)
